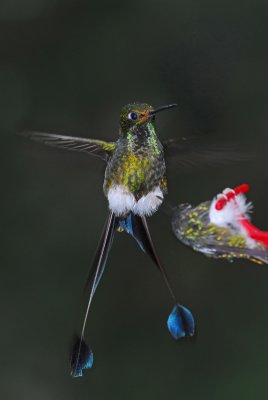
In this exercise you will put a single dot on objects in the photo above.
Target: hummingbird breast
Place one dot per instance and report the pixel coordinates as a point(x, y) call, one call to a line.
point(135, 179)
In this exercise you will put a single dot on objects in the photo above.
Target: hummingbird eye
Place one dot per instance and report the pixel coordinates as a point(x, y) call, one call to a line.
point(133, 116)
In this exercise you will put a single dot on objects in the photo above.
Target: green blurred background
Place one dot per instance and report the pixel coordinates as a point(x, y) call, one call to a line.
point(68, 66)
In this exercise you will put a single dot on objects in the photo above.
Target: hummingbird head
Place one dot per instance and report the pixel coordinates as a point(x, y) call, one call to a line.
point(136, 114)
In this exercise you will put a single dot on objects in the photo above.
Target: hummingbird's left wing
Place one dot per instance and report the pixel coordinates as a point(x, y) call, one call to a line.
point(98, 148)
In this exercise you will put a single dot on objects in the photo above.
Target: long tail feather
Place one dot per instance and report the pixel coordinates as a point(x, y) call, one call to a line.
point(180, 322)
point(152, 252)
point(81, 356)
point(137, 227)
point(99, 253)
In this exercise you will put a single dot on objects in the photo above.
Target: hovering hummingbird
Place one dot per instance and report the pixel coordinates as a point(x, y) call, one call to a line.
point(221, 228)
point(135, 185)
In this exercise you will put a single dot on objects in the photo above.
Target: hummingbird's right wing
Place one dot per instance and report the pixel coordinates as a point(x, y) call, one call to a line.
point(194, 152)
point(98, 148)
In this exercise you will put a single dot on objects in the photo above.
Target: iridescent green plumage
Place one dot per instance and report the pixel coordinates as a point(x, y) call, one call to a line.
point(137, 163)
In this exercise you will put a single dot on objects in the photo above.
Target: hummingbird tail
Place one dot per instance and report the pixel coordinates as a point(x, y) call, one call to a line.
point(81, 356)
point(137, 227)
point(180, 321)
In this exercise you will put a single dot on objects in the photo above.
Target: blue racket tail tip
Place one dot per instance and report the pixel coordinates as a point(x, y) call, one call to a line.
point(81, 357)
point(181, 323)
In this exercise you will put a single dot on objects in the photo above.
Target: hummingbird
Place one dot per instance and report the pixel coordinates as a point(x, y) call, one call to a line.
point(221, 228)
point(135, 184)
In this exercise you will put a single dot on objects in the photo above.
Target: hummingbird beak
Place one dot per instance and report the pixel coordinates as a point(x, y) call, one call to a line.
point(151, 113)
point(161, 108)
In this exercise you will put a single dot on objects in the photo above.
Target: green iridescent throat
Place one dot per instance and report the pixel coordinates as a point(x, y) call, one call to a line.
point(143, 135)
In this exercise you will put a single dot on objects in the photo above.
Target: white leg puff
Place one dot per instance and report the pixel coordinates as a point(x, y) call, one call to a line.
point(149, 203)
point(121, 201)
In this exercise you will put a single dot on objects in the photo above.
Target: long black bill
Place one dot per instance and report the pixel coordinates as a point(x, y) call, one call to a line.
point(81, 355)
point(162, 108)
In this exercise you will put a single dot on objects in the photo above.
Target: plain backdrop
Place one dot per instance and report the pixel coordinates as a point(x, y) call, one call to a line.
point(68, 66)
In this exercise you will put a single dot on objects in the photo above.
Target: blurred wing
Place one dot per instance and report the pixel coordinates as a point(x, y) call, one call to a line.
point(94, 147)
point(192, 152)
point(256, 255)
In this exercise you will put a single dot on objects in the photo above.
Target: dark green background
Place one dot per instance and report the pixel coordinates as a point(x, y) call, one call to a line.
point(69, 66)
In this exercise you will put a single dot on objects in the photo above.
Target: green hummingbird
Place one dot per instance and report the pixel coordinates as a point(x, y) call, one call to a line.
point(221, 228)
point(135, 184)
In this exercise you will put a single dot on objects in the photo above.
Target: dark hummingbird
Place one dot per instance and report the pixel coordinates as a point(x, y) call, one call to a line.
point(135, 185)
